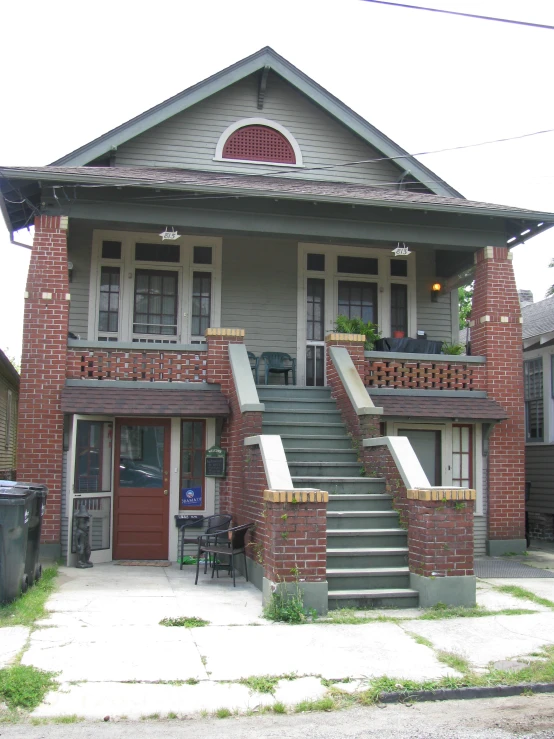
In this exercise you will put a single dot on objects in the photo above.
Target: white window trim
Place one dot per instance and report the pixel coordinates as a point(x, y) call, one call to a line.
point(258, 122)
point(547, 395)
point(332, 277)
point(392, 428)
point(128, 265)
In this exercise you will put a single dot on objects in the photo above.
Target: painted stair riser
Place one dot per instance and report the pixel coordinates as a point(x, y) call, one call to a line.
point(295, 393)
point(323, 469)
point(337, 539)
point(292, 405)
point(369, 603)
point(355, 486)
point(319, 442)
point(379, 520)
point(321, 455)
point(368, 582)
point(295, 416)
point(301, 428)
point(359, 503)
point(335, 562)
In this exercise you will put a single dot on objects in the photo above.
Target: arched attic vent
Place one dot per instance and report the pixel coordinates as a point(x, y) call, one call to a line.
point(258, 140)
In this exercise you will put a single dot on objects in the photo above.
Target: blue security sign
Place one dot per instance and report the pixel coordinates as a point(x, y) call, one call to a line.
point(191, 497)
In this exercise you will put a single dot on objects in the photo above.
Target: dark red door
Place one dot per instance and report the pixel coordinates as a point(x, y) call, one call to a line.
point(141, 502)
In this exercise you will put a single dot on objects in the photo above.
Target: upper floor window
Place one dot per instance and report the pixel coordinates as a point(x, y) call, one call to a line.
point(534, 409)
point(258, 140)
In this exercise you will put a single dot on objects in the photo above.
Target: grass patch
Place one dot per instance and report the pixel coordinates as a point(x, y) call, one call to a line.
point(454, 661)
point(172, 715)
point(265, 683)
point(441, 611)
point(23, 686)
point(323, 704)
point(524, 594)
point(420, 640)
point(28, 608)
point(192, 681)
point(189, 622)
point(150, 717)
point(286, 607)
point(72, 719)
point(279, 708)
point(223, 713)
point(349, 616)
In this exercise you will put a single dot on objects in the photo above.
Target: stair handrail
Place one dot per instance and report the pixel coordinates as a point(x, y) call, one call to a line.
point(245, 386)
point(352, 382)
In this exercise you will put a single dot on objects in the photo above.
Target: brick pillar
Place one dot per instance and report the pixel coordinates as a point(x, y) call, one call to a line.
point(45, 326)
point(232, 490)
point(496, 334)
point(359, 427)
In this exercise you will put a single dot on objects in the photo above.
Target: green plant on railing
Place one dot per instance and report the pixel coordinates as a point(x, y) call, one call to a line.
point(345, 325)
point(452, 348)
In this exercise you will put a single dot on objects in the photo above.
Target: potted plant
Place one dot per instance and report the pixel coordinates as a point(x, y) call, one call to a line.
point(345, 325)
point(452, 348)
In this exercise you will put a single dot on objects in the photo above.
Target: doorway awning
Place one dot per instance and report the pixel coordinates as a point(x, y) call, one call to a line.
point(111, 400)
point(400, 405)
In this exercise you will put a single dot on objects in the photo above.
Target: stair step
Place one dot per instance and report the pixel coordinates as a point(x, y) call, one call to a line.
point(341, 552)
point(336, 485)
point(317, 468)
point(349, 520)
point(282, 416)
point(313, 441)
point(285, 427)
point(374, 598)
point(360, 502)
point(293, 391)
point(294, 404)
point(366, 538)
point(374, 571)
point(298, 454)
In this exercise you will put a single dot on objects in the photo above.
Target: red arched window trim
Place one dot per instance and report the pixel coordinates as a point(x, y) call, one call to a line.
point(259, 144)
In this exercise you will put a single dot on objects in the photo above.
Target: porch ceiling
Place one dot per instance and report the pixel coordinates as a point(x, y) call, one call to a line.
point(400, 405)
point(115, 401)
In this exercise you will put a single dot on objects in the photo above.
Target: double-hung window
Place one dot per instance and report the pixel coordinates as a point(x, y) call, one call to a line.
point(534, 407)
point(149, 292)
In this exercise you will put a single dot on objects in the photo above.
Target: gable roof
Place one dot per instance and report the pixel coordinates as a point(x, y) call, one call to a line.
point(262, 59)
point(538, 318)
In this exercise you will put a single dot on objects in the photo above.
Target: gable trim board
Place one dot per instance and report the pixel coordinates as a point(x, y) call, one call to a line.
point(258, 61)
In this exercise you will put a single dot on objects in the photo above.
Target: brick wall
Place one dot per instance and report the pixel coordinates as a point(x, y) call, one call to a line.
point(440, 537)
point(496, 334)
point(359, 427)
point(147, 365)
point(45, 325)
point(541, 526)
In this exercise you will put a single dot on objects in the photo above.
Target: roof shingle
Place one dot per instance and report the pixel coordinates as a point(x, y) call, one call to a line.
point(399, 405)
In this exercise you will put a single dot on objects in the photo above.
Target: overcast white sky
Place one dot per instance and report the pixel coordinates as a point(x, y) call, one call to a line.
point(73, 70)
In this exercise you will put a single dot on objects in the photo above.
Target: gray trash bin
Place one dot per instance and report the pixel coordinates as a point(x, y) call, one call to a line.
point(33, 568)
point(16, 507)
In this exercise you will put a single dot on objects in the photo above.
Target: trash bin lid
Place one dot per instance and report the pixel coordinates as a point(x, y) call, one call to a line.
point(6, 485)
point(16, 494)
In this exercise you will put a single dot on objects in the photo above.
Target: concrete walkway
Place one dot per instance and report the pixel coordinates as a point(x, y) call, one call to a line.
point(113, 657)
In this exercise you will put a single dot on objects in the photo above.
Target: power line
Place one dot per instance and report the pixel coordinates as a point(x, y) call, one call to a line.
point(465, 15)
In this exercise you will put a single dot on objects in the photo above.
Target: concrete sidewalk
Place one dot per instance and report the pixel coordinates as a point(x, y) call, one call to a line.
point(114, 658)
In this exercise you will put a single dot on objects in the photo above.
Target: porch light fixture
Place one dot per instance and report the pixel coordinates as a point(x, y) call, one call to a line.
point(401, 250)
point(169, 234)
point(435, 292)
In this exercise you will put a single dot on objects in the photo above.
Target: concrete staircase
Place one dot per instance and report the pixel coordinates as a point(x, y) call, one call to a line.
point(367, 551)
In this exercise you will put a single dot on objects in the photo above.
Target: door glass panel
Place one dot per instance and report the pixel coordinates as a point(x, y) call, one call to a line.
point(155, 302)
point(358, 300)
point(315, 310)
point(141, 456)
point(193, 434)
point(93, 457)
point(462, 458)
point(315, 370)
point(399, 308)
point(427, 448)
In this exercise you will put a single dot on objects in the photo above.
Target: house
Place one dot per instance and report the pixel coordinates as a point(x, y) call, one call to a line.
point(538, 372)
point(244, 215)
point(9, 395)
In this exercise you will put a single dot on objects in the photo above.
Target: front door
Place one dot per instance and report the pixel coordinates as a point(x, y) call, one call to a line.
point(141, 502)
point(427, 445)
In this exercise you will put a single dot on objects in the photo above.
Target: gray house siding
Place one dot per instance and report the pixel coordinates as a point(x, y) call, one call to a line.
point(189, 139)
point(433, 318)
point(79, 248)
point(258, 292)
point(8, 427)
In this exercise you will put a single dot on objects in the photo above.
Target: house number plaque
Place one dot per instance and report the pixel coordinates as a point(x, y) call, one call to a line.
point(215, 462)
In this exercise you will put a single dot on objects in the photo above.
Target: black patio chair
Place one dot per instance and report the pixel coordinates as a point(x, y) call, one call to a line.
point(214, 524)
point(228, 547)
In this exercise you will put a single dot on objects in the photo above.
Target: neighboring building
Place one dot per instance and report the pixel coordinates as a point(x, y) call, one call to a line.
point(538, 354)
point(9, 397)
point(279, 233)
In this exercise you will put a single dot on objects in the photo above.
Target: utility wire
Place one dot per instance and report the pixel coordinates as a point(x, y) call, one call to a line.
point(465, 15)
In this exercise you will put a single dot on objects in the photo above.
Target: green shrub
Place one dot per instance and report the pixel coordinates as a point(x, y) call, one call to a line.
point(345, 325)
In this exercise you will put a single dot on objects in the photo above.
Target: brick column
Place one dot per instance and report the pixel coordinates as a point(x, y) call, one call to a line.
point(496, 334)
point(45, 326)
point(232, 491)
point(359, 427)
